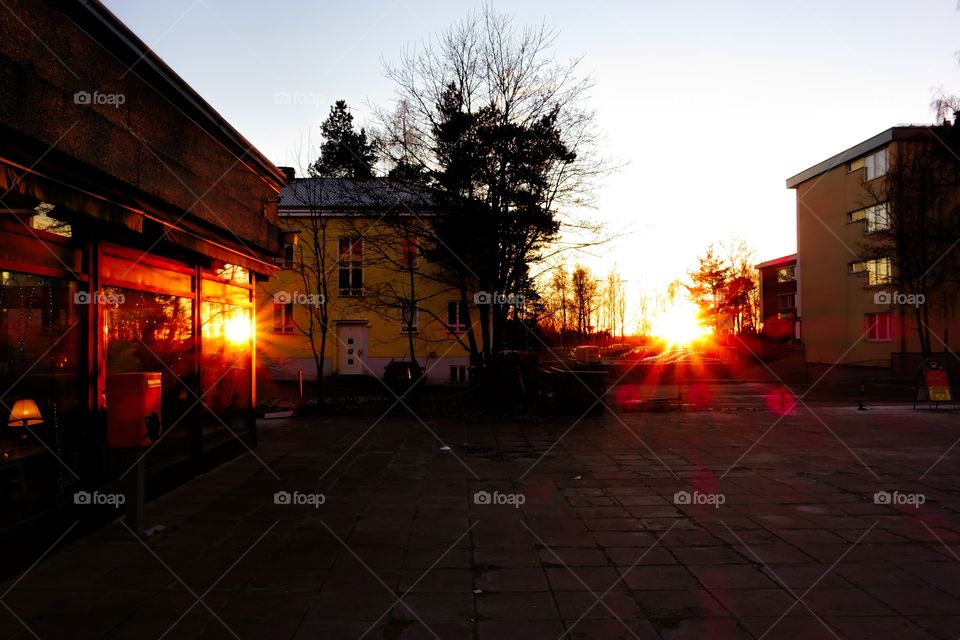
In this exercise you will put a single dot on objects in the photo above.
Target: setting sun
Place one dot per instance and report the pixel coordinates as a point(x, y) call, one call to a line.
point(678, 324)
point(237, 329)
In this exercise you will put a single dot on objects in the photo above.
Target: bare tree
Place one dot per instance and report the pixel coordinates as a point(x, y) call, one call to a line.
point(584, 290)
point(314, 260)
point(614, 303)
point(914, 221)
point(499, 131)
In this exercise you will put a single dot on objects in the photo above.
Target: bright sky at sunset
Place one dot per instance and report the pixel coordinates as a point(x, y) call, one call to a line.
point(712, 105)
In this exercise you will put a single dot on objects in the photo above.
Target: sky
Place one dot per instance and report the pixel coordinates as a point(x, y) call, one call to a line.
point(709, 106)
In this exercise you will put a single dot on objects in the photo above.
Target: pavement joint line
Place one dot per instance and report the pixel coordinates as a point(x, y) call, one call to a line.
point(939, 539)
point(782, 583)
point(199, 599)
point(597, 599)
point(378, 578)
point(799, 399)
point(620, 579)
point(418, 580)
point(818, 580)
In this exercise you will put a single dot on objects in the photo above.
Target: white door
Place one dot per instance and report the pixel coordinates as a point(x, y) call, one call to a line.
point(353, 347)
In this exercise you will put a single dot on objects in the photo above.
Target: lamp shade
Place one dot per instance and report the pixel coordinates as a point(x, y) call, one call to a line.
point(25, 413)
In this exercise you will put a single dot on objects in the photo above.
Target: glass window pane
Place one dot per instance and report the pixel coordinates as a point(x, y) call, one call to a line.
point(225, 375)
point(145, 332)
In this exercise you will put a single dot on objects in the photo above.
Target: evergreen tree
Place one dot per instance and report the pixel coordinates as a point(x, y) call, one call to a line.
point(345, 152)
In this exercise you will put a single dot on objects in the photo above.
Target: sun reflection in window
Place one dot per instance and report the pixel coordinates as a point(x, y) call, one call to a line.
point(228, 323)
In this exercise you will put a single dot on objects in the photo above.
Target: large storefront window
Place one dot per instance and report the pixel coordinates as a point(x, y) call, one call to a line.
point(41, 342)
point(225, 374)
point(154, 332)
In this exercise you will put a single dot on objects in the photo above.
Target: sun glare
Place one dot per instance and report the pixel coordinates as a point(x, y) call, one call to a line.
point(237, 329)
point(678, 324)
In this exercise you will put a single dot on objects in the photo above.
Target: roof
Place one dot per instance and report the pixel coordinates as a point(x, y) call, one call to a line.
point(881, 139)
point(349, 194)
point(776, 262)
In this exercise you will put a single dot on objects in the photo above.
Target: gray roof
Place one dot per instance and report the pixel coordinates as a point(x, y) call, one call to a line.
point(881, 139)
point(351, 195)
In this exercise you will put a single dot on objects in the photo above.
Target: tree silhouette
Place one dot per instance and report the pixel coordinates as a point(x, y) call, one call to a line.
point(345, 152)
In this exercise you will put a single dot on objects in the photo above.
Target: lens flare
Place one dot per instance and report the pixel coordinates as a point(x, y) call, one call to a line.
point(237, 329)
point(679, 323)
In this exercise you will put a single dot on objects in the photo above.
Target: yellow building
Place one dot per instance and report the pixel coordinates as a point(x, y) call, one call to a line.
point(353, 253)
point(847, 298)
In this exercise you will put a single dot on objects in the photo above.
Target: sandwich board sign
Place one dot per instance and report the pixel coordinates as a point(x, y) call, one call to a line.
point(935, 383)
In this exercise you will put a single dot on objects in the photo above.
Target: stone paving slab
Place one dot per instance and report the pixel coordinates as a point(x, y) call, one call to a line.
point(823, 523)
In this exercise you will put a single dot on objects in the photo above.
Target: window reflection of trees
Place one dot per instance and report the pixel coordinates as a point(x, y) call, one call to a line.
point(225, 363)
point(147, 331)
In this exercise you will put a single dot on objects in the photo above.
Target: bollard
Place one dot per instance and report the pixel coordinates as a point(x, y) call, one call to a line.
point(860, 406)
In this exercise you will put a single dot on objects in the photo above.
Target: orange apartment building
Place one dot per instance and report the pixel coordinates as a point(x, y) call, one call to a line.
point(847, 299)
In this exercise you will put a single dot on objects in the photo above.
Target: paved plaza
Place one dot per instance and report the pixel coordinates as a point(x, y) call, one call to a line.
point(822, 522)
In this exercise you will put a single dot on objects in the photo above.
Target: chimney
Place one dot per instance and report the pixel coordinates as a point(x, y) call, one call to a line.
point(290, 172)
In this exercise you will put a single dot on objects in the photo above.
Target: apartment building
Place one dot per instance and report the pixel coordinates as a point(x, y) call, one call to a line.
point(852, 311)
point(779, 304)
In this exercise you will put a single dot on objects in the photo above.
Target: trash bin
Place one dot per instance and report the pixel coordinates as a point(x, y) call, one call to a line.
point(133, 409)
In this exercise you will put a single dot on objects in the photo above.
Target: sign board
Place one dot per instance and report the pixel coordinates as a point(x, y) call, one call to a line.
point(938, 386)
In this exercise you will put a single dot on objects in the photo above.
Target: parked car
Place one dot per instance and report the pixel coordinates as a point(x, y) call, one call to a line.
point(586, 354)
point(639, 353)
point(616, 351)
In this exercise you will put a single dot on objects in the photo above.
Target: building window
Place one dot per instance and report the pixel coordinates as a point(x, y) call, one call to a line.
point(289, 258)
point(409, 317)
point(283, 317)
point(350, 277)
point(458, 374)
point(787, 274)
point(877, 217)
point(409, 253)
point(879, 271)
point(786, 301)
point(457, 316)
point(876, 164)
point(878, 326)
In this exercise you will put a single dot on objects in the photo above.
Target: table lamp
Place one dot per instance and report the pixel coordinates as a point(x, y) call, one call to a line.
point(25, 413)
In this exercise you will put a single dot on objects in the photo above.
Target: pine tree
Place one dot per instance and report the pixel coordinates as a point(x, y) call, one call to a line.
point(345, 152)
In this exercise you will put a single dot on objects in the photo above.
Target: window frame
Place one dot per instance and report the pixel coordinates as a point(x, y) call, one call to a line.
point(414, 325)
point(287, 325)
point(874, 278)
point(875, 165)
point(782, 296)
point(346, 263)
point(881, 331)
point(462, 313)
point(459, 374)
point(791, 269)
point(289, 262)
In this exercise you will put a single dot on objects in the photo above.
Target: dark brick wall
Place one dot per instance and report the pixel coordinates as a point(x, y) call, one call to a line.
point(157, 140)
